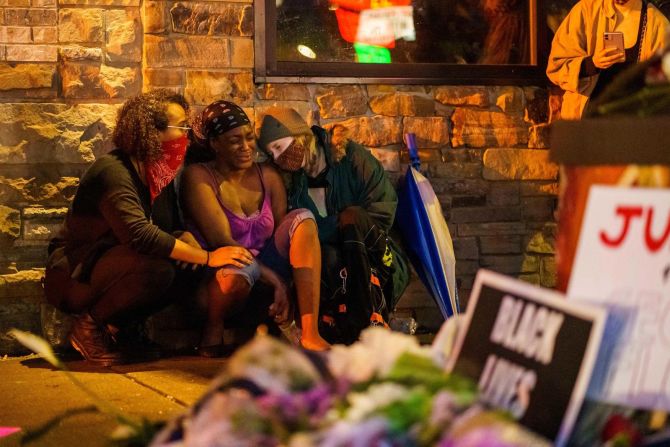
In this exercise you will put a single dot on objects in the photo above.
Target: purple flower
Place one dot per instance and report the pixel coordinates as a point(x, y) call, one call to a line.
point(444, 408)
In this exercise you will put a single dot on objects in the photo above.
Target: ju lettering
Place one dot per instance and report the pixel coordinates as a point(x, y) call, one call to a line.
point(653, 239)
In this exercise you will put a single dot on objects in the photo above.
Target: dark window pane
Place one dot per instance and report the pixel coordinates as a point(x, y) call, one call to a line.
point(404, 31)
point(556, 12)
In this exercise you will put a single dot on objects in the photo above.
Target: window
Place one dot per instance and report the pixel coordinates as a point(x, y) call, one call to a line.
point(556, 11)
point(401, 41)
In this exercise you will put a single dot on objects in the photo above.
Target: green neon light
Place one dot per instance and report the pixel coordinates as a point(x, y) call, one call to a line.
point(372, 54)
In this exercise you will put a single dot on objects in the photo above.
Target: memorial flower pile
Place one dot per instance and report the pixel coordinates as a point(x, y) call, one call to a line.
point(385, 390)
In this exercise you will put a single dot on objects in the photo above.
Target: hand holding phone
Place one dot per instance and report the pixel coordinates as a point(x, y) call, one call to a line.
point(614, 40)
point(611, 52)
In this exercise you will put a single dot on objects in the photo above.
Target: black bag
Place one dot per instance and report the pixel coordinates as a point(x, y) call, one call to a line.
point(345, 308)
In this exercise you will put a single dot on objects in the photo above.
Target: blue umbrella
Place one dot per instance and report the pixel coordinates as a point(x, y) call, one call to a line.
point(426, 235)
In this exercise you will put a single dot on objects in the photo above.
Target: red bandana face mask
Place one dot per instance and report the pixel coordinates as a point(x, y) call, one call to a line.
point(163, 171)
point(291, 159)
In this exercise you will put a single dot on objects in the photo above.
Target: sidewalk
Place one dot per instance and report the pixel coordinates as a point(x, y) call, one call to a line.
point(33, 395)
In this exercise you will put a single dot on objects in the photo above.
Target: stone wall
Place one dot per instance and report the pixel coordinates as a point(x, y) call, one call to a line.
point(67, 65)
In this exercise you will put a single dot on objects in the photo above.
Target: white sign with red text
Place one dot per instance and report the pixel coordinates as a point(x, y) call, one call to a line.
point(623, 263)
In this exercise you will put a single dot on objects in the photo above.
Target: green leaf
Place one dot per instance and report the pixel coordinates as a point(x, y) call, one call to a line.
point(41, 347)
point(38, 345)
point(403, 414)
point(415, 370)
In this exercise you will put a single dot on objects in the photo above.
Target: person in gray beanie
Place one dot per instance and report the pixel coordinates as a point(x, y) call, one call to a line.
point(346, 188)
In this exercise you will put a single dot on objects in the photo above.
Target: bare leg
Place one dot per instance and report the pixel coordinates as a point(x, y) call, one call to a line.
point(225, 294)
point(305, 257)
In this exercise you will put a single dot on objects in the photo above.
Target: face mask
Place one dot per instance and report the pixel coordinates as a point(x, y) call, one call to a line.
point(164, 170)
point(292, 158)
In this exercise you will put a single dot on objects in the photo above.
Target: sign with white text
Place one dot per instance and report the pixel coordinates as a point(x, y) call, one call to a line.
point(623, 263)
point(530, 351)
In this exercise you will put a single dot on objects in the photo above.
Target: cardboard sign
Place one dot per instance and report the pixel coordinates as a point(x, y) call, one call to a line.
point(623, 263)
point(383, 26)
point(530, 351)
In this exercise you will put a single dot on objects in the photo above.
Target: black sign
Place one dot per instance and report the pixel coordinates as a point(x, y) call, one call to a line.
point(530, 351)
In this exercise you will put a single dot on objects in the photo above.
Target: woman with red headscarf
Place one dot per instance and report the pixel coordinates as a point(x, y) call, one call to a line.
point(111, 264)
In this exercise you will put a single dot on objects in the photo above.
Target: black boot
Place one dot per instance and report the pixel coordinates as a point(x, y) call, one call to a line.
point(94, 342)
point(134, 342)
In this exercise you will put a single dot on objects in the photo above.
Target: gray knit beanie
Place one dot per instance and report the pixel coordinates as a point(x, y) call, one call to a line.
point(280, 122)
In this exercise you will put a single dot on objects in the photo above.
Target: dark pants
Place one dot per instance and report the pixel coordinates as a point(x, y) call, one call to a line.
point(125, 287)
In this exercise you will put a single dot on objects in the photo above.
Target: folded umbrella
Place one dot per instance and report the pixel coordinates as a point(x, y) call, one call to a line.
point(427, 238)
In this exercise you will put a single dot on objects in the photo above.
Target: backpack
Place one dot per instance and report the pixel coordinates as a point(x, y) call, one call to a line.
point(343, 312)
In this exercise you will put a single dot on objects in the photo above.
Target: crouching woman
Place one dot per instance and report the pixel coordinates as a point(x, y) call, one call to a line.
point(234, 202)
point(111, 265)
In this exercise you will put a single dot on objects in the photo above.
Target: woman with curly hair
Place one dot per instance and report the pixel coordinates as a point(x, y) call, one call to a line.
point(111, 264)
point(234, 201)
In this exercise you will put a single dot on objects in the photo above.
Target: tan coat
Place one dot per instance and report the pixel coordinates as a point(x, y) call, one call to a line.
point(578, 36)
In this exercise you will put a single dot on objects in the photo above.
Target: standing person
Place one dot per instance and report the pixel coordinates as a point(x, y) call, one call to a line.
point(580, 64)
point(506, 41)
point(235, 202)
point(110, 264)
point(348, 191)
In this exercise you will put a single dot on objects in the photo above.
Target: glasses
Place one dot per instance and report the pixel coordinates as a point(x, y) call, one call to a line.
point(184, 128)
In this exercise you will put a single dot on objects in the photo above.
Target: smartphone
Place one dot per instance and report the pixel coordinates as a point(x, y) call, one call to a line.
point(614, 40)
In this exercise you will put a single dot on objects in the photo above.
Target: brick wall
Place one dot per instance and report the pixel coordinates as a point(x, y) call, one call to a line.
point(66, 66)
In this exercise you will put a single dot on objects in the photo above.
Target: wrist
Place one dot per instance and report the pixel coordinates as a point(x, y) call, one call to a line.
point(207, 259)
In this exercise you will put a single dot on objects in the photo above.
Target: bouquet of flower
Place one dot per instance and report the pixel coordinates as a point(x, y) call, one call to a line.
point(385, 390)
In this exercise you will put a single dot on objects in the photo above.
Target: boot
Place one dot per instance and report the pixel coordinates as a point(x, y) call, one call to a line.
point(94, 342)
point(134, 342)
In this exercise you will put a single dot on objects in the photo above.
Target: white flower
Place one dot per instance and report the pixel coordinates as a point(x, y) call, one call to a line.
point(273, 365)
point(445, 340)
point(377, 396)
point(348, 434)
point(353, 363)
point(374, 355)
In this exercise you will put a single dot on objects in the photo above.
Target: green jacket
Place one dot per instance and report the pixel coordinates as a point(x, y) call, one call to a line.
point(357, 179)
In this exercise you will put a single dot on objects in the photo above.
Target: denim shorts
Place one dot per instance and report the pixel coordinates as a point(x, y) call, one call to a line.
point(275, 254)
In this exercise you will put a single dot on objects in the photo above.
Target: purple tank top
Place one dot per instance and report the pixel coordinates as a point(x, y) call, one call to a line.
point(253, 231)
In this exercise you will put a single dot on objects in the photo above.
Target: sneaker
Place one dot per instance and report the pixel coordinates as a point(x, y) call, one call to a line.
point(94, 342)
point(376, 320)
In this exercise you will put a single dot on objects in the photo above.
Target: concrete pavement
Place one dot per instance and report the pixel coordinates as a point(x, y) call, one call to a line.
point(33, 395)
